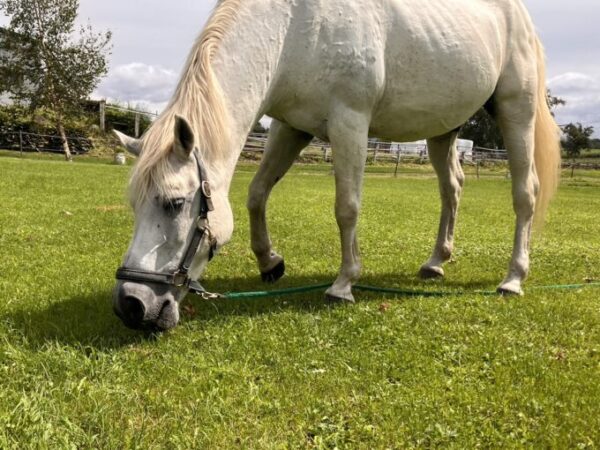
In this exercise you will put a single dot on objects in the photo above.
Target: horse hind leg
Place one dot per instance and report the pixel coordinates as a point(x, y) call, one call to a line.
point(283, 146)
point(443, 157)
point(516, 118)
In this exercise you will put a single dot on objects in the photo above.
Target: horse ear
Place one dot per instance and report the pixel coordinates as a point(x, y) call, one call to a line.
point(133, 146)
point(184, 138)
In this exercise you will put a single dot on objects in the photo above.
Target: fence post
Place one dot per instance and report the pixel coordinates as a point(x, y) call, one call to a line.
point(324, 153)
point(102, 108)
point(478, 169)
point(573, 169)
point(21, 142)
point(375, 154)
point(397, 164)
point(137, 125)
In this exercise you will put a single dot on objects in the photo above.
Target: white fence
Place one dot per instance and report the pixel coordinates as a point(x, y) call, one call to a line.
point(379, 150)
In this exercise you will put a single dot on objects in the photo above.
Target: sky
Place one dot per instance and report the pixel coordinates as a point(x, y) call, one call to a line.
point(151, 39)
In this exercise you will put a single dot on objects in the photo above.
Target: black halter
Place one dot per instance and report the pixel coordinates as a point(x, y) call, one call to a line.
point(180, 278)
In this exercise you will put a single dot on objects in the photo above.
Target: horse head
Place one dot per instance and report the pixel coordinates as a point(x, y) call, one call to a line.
point(174, 237)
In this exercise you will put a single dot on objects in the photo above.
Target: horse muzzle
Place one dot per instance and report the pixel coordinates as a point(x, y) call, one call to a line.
point(145, 307)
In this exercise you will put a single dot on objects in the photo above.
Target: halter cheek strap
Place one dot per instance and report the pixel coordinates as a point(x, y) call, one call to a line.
point(181, 278)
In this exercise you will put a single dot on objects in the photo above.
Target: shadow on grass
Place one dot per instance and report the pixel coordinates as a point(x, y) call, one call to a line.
point(88, 321)
point(79, 321)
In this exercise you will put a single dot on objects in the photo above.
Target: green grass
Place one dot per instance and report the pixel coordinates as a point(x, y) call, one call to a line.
point(398, 372)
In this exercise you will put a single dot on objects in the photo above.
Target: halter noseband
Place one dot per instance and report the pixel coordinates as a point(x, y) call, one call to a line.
point(181, 278)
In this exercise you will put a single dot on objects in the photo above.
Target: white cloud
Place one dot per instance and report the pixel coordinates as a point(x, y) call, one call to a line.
point(582, 94)
point(575, 82)
point(140, 85)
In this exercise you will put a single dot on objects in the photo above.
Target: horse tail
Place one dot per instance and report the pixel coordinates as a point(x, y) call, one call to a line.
point(547, 153)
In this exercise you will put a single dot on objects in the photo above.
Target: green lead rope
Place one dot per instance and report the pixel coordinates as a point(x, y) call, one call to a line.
point(403, 292)
point(277, 292)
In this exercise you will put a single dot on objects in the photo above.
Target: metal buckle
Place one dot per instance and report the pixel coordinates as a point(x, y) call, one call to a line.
point(205, 186)
point(180, 279)
point(202, 224)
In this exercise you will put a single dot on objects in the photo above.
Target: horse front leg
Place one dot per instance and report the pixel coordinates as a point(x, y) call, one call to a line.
point(443, 157)
point(348, 134)
point(283, 146)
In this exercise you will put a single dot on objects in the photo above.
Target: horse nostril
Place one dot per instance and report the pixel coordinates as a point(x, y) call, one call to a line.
point(133, 310)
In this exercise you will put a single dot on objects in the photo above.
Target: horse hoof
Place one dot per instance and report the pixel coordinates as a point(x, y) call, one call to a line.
point(506, 292)
point(274, 274)
point(335, 300)
point(338, 296)
point(429, 273)
point(510, 288)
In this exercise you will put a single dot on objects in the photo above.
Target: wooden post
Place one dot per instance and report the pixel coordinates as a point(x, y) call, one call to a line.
point(397, 164)
point(102, 108)
point(478, 169)
point(324, 153)
point(21, 142)
point(573, 169)
point(375, 154)
point(137, 125)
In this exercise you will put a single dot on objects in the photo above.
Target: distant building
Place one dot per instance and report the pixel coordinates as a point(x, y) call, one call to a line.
point(464, 148)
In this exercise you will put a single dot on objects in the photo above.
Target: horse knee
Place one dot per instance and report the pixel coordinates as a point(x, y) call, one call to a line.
point(346, 212)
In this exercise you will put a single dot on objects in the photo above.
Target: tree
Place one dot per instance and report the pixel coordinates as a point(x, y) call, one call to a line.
point(554, 102)
point(47, 66)
point(576, 138)
point(483, 130)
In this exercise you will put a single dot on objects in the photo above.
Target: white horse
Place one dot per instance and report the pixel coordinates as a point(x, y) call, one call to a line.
point(340, 70)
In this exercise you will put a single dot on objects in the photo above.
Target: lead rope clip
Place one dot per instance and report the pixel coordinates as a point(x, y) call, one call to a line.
point(211, 295)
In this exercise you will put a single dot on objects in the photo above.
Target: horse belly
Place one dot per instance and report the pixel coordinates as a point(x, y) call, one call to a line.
point(408, 65)
point(409, 112)
point(443, 61)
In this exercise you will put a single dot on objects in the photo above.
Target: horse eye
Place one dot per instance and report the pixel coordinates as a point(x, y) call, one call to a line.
point(174, 205)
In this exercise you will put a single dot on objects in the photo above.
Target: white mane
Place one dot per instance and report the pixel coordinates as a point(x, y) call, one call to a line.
point(199, 99)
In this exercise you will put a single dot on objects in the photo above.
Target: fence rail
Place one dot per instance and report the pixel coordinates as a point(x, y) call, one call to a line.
point(380, 150)
point(317, 151)
point(131, 110)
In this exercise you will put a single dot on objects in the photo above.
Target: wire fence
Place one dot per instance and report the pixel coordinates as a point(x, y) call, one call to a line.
point(33, 142)
point(388, 155)
point(380, 153)
point(381, 149)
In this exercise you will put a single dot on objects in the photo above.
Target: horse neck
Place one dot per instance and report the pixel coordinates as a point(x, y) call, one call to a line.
point(245, 63)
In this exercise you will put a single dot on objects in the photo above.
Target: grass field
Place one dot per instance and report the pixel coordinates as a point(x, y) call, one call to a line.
point(397, 372)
